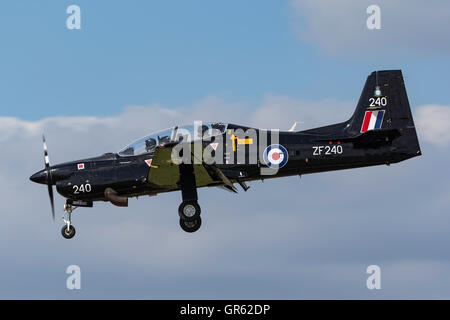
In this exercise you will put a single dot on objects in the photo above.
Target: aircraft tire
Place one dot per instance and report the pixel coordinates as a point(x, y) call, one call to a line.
point(191, 226)
point(68, 234)
point(189, 210)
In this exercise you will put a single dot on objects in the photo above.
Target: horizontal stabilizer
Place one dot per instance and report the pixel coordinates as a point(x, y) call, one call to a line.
point(373, 137)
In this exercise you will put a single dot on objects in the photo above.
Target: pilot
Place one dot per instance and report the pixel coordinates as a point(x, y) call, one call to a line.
point(202, 130)
point(150, 144)
point(218, 126)
point(163, 140)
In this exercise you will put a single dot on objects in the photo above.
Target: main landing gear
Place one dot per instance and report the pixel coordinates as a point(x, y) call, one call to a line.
point(189, 210)
point(191, 226)
point(68, 230)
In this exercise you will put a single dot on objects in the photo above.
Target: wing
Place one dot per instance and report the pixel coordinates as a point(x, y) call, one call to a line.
point(165, 174)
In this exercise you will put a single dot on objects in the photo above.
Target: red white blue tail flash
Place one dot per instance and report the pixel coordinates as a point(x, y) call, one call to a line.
point(372, 120)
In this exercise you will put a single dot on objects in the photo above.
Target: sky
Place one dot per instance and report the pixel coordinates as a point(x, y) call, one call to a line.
point(135, 67)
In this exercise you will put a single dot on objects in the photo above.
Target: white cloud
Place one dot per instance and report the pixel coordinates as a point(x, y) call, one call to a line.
point(70, 138)
point(84, 136)
point(433, 124)
point(312, 228)
point(339, 27)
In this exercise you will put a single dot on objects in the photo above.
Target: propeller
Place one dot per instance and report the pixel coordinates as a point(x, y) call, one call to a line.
point(49, 177)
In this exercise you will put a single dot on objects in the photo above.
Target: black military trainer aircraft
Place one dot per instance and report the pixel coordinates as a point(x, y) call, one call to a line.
point(380, 131)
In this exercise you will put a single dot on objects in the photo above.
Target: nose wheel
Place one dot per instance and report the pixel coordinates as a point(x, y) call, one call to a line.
point(68, 230)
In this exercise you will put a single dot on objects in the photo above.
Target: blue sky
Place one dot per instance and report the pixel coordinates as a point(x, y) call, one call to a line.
point(139, 66)
point(174, 53)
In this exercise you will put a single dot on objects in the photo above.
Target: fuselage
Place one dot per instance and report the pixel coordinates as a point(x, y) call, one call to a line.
point(307, 152)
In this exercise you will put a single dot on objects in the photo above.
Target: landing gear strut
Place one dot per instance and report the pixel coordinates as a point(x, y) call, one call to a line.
point(68, 230)
point(189, 210)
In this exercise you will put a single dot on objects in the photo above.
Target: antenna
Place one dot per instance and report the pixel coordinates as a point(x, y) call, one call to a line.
point(294, 125)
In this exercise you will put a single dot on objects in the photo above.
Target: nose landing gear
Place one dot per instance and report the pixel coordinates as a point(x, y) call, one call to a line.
point(68, 230)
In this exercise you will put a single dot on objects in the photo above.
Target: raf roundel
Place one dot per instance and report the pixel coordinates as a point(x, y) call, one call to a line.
point(275, 156)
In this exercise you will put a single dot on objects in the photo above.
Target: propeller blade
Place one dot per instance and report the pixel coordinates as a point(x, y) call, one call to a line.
point(50, 194)
point(46, 159)
point(49, 179)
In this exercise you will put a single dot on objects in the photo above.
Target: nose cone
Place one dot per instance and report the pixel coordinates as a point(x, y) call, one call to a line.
point(39, 177)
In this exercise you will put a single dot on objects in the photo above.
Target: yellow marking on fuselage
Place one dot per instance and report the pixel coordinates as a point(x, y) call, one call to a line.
point(241, 141)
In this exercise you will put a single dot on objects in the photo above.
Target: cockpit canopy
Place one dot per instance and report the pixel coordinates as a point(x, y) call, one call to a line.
point(175, 134)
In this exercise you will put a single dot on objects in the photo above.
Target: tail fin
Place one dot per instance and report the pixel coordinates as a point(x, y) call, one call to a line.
point(383, 103)
point(384, 106)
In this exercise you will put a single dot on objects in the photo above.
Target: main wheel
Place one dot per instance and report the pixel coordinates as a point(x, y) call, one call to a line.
point(191, 226)
point(189, 210)
point(68, 234)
